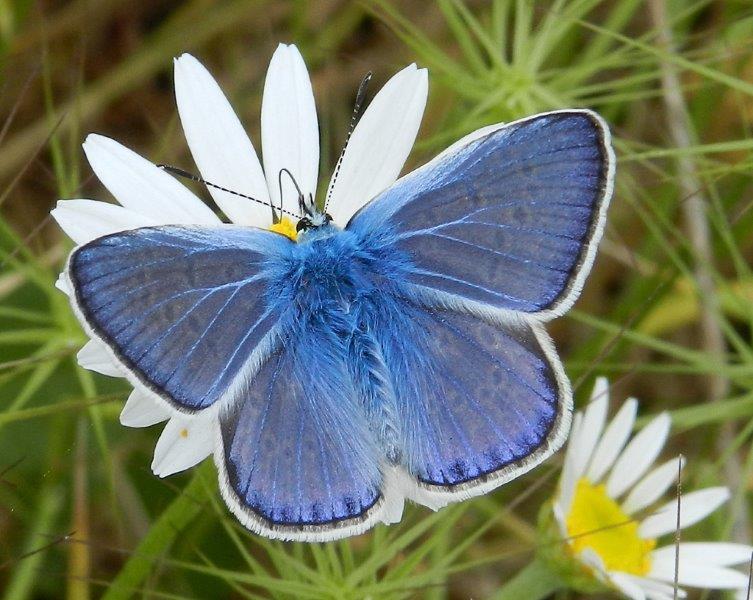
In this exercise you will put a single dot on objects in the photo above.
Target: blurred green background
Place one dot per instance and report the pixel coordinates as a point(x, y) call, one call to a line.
point(666, 313)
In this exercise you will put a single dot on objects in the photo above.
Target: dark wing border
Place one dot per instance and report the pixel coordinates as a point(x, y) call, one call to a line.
point(387, 509)
point(598, 221)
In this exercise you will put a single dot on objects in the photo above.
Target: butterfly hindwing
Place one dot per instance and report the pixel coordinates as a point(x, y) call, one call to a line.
point(508, 220)
point(476, 403)
point(298, 458)
point(181, 309)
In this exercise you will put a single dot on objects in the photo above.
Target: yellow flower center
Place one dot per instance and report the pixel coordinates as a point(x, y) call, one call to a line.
point(597, 522)
point(286, 227)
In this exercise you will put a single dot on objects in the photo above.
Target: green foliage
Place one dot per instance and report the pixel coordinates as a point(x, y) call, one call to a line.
point(80, 512)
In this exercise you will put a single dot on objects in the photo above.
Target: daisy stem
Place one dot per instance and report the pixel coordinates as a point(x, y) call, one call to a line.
point(534, 582)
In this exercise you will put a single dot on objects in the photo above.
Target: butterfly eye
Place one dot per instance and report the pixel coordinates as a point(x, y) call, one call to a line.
point(302, 225)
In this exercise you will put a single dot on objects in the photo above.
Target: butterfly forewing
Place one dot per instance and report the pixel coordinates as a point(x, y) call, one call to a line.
point(509, 220)
point(183, 309)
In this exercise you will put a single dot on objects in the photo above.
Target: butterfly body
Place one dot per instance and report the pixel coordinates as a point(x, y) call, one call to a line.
point(400, 356)
point(345, 291)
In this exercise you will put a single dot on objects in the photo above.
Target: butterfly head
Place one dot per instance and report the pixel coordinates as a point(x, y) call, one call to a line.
point(311, 216)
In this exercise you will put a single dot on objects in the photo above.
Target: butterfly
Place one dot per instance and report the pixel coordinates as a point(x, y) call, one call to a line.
point(402, 356)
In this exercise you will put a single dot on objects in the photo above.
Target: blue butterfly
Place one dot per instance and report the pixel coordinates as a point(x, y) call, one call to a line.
point(402, 356)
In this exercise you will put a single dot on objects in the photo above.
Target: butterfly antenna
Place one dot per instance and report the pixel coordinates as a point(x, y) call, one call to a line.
point(360, 97)
point(301, 197)
point(750, 578)
point(197, 179)
point(676, 579)
point(275, 217)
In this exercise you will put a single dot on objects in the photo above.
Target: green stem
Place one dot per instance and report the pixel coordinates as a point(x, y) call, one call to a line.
point(26, 571)
point(535, 582)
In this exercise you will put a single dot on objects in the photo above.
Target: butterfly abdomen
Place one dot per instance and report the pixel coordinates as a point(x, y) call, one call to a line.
point(375, 387)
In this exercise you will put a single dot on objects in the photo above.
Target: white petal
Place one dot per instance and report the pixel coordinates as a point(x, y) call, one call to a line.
point(651, 487)
point(638, 456)
point(720, 554)
point(706, 576)
point(694, 507)
point(61, 283)
point(568, 480)
point(86, 220)
point(289, 128)
point(560, 518)
point(94, 356)
point(656, 590)
point(601, 389)
point(380, 143)
point(141, 410)
point(590, 558)
point(703, 574)
point(613, 440)
point(184, 442)
point(593, 424)
point(143, 187)
point(220, 146)
point(628, 586)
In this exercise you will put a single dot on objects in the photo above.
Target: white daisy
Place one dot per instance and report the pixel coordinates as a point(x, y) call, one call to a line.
point(606, 508)
point(226, 157)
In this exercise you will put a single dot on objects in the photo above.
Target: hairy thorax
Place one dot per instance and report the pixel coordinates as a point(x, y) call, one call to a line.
point(329, 273)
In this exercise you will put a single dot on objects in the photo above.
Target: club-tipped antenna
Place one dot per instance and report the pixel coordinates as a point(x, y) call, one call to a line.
point(186, 175)
point(301, 197)
point(676, 579)
point(750, 578)
point(360, 97)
